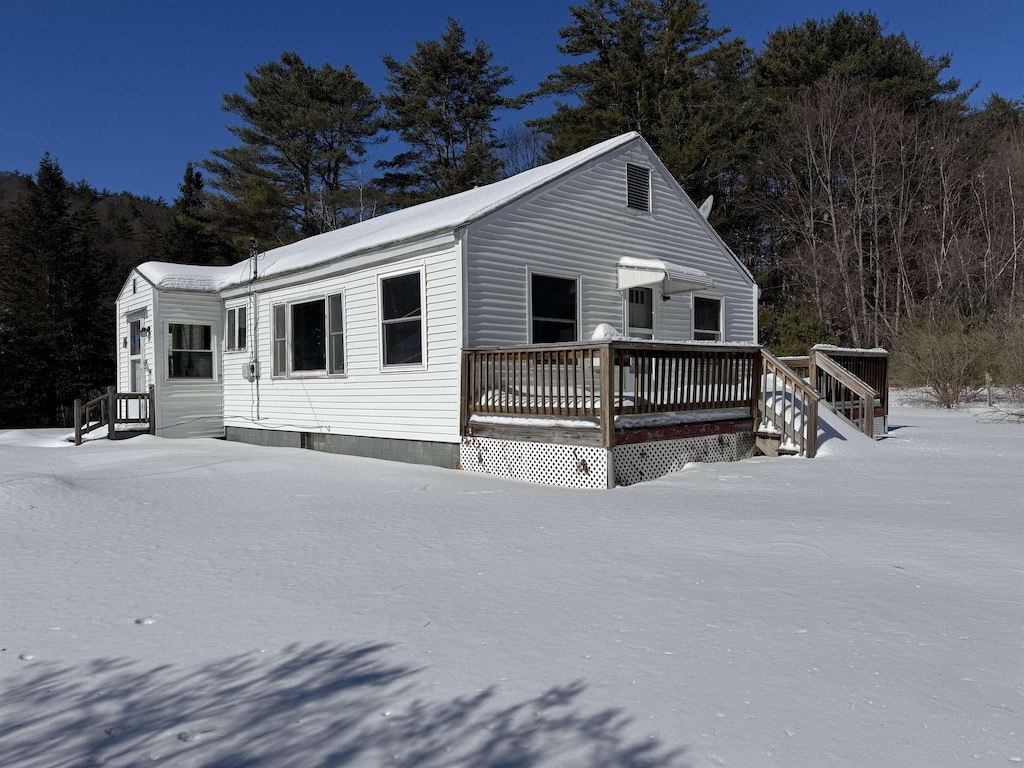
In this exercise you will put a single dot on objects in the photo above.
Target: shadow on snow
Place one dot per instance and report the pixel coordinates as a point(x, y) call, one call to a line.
point(320, 705)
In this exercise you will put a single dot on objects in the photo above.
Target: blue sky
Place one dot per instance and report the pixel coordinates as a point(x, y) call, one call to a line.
point(124, 92)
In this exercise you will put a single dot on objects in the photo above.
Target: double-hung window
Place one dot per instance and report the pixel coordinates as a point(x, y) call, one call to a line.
point(553, 309)
point(309, 337)
point(401, 313)
point(236, 329)
point(189, 351)
point(707, 319)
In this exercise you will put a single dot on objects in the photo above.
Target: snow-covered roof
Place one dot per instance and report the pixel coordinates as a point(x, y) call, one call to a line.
point(443, 215)
point(186, 277)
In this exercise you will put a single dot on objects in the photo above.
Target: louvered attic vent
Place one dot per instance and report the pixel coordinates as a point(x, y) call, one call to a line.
point(638, 187)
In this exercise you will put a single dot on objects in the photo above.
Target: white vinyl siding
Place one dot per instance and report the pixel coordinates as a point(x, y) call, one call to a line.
point(188, 407)
point(136, 302)
point(579, 225)
point(417, 402)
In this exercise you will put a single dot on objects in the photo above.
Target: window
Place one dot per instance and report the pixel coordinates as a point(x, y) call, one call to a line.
point(190, 351)
point(280, 340)
point(707, 319)
point(309, 337)
point(236, 326)
point(638, 187)
point(552, 309)
point(401, 319)
point(640, 313)
point(336, 334)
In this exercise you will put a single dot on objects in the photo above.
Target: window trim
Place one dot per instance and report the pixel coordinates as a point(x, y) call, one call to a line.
point(632, 182)
point(720, 298)
point(577, 278)
point(211, 350)
point(284, 345)
point(231, 334)
point(382, 365)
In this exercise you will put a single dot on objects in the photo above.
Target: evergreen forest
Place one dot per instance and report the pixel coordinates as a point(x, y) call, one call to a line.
point(872, 202)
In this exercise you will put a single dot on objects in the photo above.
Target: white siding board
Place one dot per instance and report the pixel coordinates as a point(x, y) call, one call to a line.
point(188, 407)
point(414, 403)
point(131, 303)
point(580, 225)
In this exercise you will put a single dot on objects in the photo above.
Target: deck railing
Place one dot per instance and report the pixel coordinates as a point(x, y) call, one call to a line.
point(788, 406)
point(607, 379)
point(113, 408)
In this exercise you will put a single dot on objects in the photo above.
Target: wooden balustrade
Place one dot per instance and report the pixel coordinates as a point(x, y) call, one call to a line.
point(603, 380)
point(788, 406)
point(871, 366)
point(113, 408)
point(850, 396)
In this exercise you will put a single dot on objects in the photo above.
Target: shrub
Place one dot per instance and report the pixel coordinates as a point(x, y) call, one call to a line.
point(948, 356)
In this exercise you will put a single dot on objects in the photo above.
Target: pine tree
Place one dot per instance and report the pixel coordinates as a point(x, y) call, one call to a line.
point(854, 48)
point(657, 67)
point(441, 102)
point(190, 238)
point(303, 133)
point(54, 341)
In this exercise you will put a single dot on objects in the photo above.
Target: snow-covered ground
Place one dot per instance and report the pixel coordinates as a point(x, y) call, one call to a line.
point(202, 603)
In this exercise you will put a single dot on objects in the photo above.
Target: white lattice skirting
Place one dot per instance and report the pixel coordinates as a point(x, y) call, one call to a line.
point(571, 466)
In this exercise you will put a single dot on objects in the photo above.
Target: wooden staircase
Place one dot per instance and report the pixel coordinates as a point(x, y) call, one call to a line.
point(853, 383)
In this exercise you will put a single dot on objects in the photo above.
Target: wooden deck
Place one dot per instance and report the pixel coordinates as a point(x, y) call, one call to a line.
point(616, 392)
point(619, 392)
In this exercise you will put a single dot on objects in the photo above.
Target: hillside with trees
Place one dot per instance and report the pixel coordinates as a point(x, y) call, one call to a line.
point(872, 202)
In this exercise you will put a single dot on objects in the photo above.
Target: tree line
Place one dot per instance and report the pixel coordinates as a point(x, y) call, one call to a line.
point(852, 176)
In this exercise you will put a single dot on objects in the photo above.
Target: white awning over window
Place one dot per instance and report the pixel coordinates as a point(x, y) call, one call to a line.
point(673, 278)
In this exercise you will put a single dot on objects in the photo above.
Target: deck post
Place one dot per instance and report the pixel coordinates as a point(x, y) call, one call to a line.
point(152, 409)
point(464, 394)
point(111, 411)
point(756, 386)
point(78, 421)
point(607, 396)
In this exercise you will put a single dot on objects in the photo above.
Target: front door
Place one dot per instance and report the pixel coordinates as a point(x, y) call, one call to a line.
point(640, 313)
point(136, 372)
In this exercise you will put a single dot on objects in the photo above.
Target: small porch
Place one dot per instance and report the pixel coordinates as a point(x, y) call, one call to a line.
point(119, 412)
point(605, 413)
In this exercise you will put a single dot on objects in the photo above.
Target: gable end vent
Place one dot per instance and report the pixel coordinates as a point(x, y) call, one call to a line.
point(638, 187)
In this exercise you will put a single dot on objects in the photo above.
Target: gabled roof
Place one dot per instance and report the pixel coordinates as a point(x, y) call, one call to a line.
point(444, 215)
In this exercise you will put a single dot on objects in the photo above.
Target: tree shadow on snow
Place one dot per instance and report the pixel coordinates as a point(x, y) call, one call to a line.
point(320, 705)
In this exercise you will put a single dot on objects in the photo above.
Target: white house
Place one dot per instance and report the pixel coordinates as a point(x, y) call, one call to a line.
point(352, 341)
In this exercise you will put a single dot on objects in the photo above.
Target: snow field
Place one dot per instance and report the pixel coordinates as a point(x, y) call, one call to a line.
point(200, 603)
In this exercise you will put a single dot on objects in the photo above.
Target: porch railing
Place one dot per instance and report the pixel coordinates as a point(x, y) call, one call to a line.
point(608, 379)
point(113, 408)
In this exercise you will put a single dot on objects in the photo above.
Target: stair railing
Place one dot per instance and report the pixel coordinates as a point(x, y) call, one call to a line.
point(112, 408)
point(848, 395)
point(788, 406)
